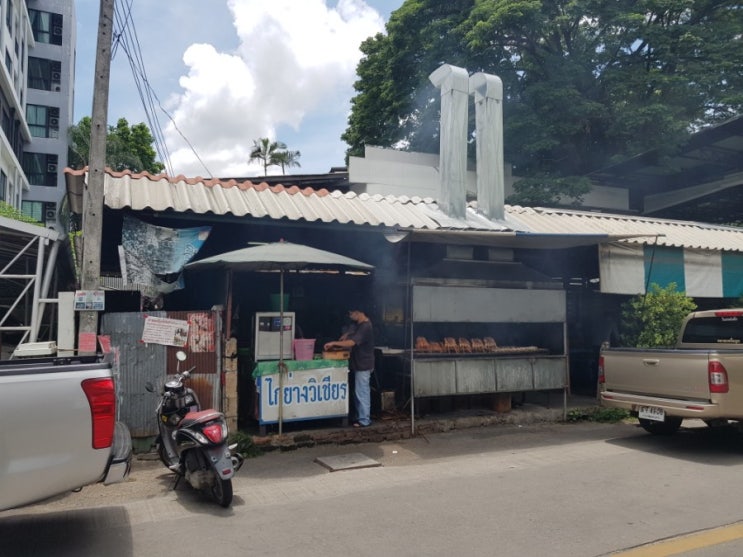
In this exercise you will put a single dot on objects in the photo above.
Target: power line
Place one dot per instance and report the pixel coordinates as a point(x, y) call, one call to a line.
point(127, 38)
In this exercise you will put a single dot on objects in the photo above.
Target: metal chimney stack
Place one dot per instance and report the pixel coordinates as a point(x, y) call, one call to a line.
point(454, 85)
point(488, 92)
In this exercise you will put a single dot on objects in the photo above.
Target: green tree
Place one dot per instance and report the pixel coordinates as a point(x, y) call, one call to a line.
point(654, 320)
point(586, 83)
point(79, 144)
point(127, 148)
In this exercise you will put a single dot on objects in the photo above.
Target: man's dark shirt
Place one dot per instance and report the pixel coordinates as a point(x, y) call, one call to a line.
point(362, 353)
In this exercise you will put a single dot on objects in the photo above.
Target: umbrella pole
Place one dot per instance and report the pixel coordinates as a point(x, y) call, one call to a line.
point(281, 351)
point(228, 287)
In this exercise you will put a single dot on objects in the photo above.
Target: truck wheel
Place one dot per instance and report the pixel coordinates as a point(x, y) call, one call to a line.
point(222, 492)
point(670, 426)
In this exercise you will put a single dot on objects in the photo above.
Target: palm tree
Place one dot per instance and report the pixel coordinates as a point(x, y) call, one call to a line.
point(265, 150)
point(287, 159)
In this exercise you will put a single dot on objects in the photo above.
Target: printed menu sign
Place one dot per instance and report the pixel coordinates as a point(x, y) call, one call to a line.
point(161, 330)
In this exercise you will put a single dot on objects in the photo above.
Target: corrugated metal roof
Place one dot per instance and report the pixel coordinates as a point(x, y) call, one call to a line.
point(672, 233)
point(159, 193)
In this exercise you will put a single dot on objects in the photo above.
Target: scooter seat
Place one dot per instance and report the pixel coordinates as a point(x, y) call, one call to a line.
point(200, 417)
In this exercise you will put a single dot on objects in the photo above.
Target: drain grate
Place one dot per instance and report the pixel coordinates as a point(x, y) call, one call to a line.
point(349, 461)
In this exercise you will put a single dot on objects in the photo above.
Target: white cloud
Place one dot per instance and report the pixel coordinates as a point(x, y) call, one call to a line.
point(293, 59)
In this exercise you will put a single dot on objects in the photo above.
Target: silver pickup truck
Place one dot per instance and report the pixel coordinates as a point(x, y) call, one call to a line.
point(701, 377)
point(58, 428)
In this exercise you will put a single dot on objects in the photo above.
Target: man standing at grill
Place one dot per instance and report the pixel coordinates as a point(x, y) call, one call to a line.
point(360, 339)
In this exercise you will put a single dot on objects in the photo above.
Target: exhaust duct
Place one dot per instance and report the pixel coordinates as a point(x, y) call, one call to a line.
point(488, 93)
point(454, 85)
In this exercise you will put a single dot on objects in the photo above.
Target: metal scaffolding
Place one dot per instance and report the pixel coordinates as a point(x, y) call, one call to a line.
point(28, 258)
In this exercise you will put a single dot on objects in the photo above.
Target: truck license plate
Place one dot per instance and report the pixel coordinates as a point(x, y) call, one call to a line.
point(651, 413)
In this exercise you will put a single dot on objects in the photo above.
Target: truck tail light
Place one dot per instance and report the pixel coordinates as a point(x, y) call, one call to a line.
point(602, 377)
point(102, 400)
point(718, 377)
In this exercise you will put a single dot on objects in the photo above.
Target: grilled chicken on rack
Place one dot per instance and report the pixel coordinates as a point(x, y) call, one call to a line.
point(490, 345)
point(477, 345)
point(464, 345)
point(450, 345)
point(422, 344)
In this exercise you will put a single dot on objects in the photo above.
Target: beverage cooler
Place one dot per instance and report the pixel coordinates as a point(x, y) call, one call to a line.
point(267, 328)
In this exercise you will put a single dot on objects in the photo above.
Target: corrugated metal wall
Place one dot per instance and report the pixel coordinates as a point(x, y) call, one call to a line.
point(140, 363)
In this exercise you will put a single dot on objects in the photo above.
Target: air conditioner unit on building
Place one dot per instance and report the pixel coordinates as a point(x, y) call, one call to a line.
point(54, 133)
point(51, 167)
point(56, 76)
point(57, 30)
point(54, 122)
point(50, 213)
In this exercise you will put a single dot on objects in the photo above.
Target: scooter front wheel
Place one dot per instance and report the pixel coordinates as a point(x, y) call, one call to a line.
point(161, 452)
point(222, 492)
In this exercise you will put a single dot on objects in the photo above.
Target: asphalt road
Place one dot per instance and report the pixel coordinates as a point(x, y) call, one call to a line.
point(553, 490)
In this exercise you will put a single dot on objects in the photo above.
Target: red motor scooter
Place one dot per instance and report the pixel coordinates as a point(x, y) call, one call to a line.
point(193, 442)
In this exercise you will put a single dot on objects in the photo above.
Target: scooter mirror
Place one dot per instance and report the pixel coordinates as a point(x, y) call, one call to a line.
point(181, 355)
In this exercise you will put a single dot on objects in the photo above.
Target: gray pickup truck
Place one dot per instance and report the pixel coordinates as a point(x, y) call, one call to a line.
point(701, 377)
point(59, 428)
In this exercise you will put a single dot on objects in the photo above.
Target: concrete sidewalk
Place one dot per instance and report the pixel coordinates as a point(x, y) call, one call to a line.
point(534, 408)
point(389, 441)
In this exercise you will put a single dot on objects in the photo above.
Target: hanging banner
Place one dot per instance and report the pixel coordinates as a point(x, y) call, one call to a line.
point(153, 257)
point(166, 250)
point(161, 330)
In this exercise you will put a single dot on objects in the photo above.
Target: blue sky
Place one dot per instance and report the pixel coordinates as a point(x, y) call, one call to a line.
point(227, 72)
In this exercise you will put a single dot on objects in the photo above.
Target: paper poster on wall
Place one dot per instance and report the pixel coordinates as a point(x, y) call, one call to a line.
point(161, 330)
point(86, 343)
point(201, 332)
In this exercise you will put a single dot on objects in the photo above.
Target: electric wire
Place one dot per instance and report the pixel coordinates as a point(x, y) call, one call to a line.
point(125, 37)
point(190, 146)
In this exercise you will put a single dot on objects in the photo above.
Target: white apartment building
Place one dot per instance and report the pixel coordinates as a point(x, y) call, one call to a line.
point(38, 39)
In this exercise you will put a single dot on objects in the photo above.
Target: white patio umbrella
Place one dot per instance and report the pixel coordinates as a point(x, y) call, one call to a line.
point(278, 256)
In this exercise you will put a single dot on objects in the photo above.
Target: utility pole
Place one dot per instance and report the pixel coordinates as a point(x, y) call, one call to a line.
point(93, 192)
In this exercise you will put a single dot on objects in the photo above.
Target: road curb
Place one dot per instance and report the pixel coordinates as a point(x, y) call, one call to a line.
point(392, 428)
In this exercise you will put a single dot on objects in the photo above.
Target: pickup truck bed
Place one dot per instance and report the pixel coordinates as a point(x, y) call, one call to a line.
point(59, 430)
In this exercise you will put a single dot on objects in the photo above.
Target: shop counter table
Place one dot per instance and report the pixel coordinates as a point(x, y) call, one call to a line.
point(311, 389)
